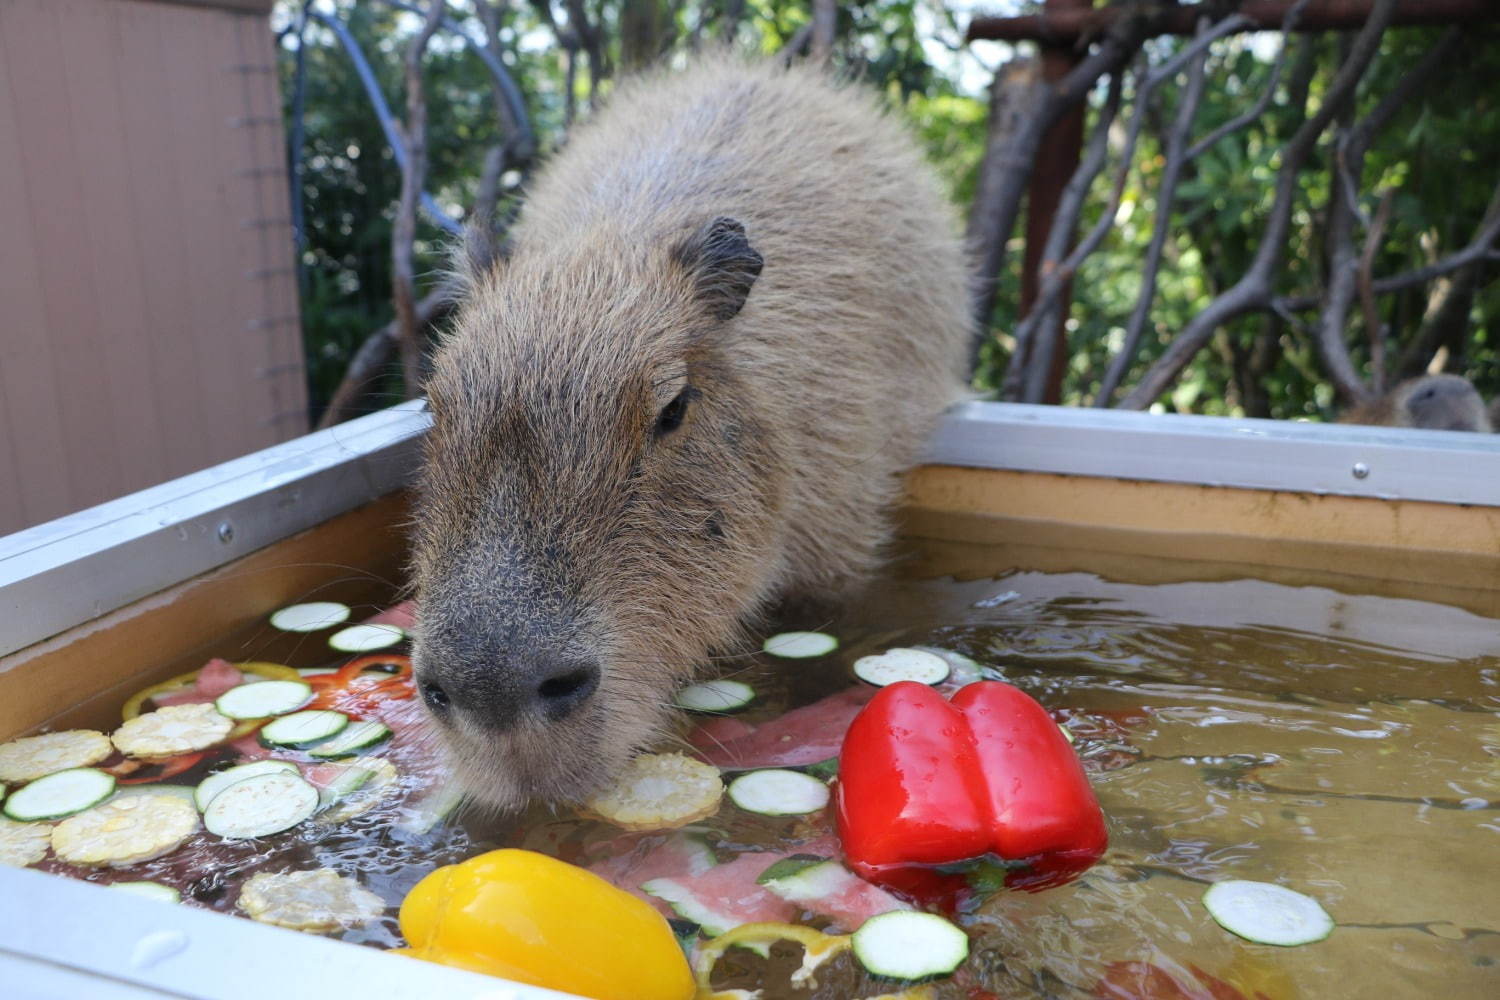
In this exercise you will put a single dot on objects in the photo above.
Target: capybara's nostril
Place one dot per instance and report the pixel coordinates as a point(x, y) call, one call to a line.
point(435, 696)
point(568, 688)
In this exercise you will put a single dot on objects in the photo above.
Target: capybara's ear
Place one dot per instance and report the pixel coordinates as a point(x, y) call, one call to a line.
point(722, 264)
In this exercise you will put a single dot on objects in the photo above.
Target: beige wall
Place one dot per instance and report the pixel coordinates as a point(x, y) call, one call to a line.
point(148, 312)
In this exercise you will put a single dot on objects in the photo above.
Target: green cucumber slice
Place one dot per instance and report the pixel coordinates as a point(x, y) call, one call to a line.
point(1267, 913)
point(776, 792)
point(906, 945)
point(220, 780)
point(260, 701)
point(800, 645)
point(311, 616)
point(260, 806)
point(303, 729)
point(364, 638)
point(902, 665)
point(352, 740)
point(60, 794)
point(716, 696)
point(151, 890)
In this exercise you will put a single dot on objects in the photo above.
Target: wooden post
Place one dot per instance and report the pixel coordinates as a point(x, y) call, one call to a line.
point(1056, 160)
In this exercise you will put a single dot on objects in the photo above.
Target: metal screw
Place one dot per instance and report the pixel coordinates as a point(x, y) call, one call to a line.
point(226, 532)
point(1361, 470)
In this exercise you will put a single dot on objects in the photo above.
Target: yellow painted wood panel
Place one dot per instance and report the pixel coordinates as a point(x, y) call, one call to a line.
point(146, 266)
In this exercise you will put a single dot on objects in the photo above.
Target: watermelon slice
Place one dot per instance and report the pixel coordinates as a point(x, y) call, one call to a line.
point(403, 615)
point(824, 886)
point(653, 857)
point(214, 678)
point(725, 896)
point(802, 736)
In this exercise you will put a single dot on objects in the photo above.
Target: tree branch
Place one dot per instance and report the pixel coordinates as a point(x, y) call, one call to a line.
point(1293, 14)
point(1374, 329)
point(404, 228)
point(382, 112)
point(1166, 194)
point(1059, 275)
point(825, 19)
point(1254, 289)
point(1022, 367)
point(370, 361)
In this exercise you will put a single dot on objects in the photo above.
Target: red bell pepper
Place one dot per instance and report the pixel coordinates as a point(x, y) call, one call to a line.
point(925, 782)
point(351, 690)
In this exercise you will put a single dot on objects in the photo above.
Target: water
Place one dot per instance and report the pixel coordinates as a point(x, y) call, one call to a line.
point(1345, 745)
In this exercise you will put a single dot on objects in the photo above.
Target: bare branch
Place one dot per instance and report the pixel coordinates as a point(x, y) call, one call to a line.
point(1064, 221)
point(1057, 277)
point(1374, 329)
point(1261, 103)
point(1451, 312)
point(825, 19)
point(404, 228)
point(1254, 289)
point(370, 362)
point(593, 45)
point(382, 112)
point(1012, 170)
point(1166, 194)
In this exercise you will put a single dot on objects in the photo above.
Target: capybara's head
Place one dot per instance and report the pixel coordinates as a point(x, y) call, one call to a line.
point(1442, 403)
point(598, 505)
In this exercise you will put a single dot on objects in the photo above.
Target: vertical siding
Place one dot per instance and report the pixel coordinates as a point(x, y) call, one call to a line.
point(148, 314)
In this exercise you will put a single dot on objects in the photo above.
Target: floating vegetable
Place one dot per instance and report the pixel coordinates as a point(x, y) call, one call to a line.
point(363, 638)
point(660, 792)
point(902, 665)
point(61, 794)
point(924, 782)
point(778, 792)
point(23, 844)
point(310, 617)
point(126, 830)
point(716, 696)
point(800, 645)
point(318, 901)
point(175, 729)
point(1267, 913)
point(149, 890)
point(531, 918)
point(35, 757)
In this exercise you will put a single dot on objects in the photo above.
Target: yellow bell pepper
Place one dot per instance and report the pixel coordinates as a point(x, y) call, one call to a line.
point(533, 919)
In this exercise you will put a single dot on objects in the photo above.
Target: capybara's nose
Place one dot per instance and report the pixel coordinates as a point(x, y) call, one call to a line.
point(498, 695)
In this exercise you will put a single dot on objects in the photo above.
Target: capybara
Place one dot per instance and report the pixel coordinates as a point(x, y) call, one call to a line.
point(1429, 402)
point(734, 306)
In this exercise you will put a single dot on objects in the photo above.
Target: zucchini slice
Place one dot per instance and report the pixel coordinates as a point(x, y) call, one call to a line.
point(354, 738)
point(776, 792)
point(902, 665)
point(310, 617)
point(150, 890)
point(260, 806)
point(715, 696)
point(35, 757)
point(321, 900)
point(907, 945)
point(363, 638)
point(303, 729)
point(61, 794)
point(263, 699)
point(126, 830)
point(1267, 913)
point(172, 730)
point(965, 669)
point(800, 645)
point(23, 844)
point(220, 780)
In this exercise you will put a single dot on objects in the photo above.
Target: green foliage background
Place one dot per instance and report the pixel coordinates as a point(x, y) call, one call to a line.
point(1441, 155)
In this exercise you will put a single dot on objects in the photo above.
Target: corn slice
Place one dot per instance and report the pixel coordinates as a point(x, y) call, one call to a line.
point(38, 756)
point(172, 730)
point(321, 900)
point(125, 830)
point(660, 792)
point(23, 844)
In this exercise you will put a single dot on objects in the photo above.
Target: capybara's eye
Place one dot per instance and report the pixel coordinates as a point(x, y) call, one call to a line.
point(672, 414)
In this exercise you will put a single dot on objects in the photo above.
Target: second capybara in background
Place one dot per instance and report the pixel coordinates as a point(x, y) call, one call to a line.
point(737, 303)
point(1429, 402)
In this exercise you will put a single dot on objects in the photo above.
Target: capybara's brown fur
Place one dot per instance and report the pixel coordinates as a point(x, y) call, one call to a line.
point(1428, 402)
point(735, 307)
